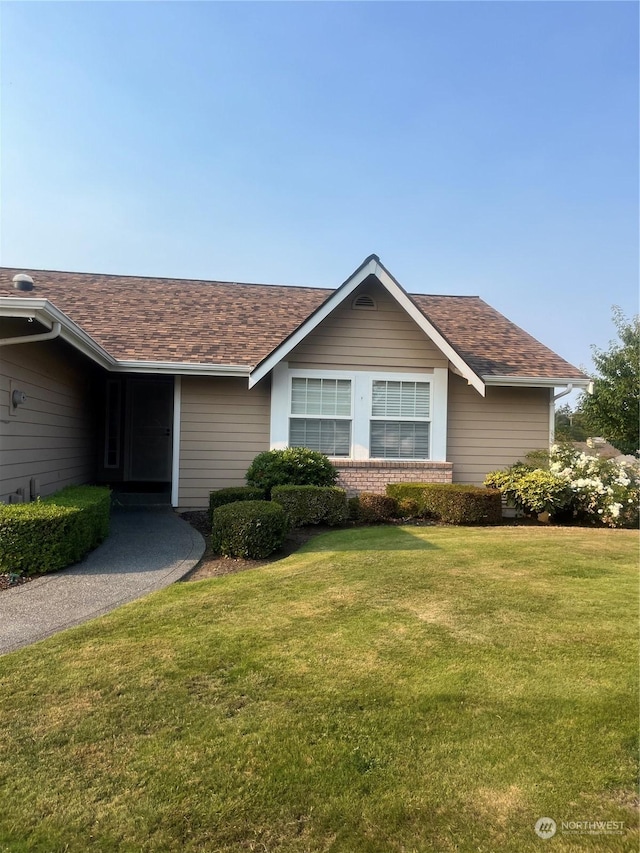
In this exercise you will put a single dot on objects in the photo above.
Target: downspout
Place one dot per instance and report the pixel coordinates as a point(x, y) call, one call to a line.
point(552, 412)
point(33, 339)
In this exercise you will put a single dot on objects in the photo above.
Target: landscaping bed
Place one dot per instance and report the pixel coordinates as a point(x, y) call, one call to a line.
point(213, 565)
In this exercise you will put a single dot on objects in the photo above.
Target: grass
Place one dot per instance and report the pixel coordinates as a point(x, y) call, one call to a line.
point(382, 690)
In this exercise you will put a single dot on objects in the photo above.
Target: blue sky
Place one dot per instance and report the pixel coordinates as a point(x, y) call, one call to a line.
point(483, 148)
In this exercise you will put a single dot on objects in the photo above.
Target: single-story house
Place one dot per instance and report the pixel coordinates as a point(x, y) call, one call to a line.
point(136, 381)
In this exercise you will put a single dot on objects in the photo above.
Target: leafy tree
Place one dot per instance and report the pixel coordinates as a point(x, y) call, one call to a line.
point(613, 410)
point(570, 424)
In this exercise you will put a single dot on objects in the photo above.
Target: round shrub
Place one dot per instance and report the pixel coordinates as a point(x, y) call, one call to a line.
point(293, 466)
point(232, 494)
point(250, 529)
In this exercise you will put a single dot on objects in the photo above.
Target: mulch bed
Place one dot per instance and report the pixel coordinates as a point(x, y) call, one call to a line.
point(8, 581)
point(213, 565)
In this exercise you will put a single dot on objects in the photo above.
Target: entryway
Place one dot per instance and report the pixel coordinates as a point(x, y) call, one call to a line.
point(137, 445)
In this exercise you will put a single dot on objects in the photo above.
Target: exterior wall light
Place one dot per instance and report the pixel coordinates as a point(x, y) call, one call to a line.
point(18, 398)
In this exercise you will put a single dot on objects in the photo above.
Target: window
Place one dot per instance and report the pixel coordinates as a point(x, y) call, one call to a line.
point(326, 406)
point(400, 420)
point(361, 414)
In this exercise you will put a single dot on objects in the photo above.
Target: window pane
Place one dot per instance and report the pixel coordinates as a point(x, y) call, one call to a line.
point(320, 396)
point(399, 440)
point(400, 399)
point(332, 437)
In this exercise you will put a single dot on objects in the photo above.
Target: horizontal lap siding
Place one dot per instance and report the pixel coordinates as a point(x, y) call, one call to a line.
point(223, 425)
point(486, 433)
point(53, 435)
point(384, 339)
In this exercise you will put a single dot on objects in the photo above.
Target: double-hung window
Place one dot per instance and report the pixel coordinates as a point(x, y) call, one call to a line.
point(400, 423)
point(321, 415)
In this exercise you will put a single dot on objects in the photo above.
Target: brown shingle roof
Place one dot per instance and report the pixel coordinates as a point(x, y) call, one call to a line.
point(490, 343)
point(227, 323)
point(162, 319)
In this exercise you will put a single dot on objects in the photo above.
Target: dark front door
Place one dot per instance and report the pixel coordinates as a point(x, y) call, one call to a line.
point(149, 428)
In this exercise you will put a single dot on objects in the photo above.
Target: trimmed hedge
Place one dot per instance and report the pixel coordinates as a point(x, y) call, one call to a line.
point(250, 529)
point(232, 495)
point(369, 508)
point(452, 504)
point(293, 466)
point(312, 504)
point(55, 532)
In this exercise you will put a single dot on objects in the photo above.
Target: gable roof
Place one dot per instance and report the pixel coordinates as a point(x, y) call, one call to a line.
point(226, 327)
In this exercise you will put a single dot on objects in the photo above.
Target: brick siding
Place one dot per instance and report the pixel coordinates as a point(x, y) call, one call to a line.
point(372, 476)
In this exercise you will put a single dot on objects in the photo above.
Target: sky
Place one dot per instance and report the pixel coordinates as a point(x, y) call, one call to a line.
point(486, 148)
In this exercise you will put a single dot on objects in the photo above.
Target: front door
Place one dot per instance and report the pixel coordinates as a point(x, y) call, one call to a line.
point(150, 427)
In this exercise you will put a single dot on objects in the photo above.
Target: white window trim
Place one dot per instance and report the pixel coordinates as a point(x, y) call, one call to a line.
point(361, 390)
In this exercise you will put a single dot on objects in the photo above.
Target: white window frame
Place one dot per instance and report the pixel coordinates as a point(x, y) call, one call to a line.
point(401, 419)
point(319, 417)
point(361, 400)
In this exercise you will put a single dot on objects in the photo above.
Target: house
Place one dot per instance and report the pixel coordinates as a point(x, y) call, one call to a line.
point(161, 383)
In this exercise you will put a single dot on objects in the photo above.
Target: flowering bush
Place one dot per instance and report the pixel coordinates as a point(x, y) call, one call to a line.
point(603, 490)
point(586, 488)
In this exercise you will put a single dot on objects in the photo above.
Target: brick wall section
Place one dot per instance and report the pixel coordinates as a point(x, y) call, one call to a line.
point(373, 476)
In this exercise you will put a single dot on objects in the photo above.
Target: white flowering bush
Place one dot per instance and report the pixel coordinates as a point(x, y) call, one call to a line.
point(604, 490)
point(574, 487)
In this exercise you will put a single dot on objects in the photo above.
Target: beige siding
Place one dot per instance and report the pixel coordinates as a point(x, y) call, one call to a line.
point(52, 436)
point(384, 339)
point(223, 425)
point(486, 433)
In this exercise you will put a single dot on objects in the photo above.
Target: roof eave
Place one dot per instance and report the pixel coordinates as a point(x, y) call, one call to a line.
point(371, 266)
point(47, 314)
point(537, 381)
point(184, 368)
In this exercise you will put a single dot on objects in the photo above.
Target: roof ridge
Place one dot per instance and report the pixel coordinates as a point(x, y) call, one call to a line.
point(163, 278)
point(449, 295)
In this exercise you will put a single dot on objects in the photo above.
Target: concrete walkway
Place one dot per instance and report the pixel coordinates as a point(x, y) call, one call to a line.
point(146, 550)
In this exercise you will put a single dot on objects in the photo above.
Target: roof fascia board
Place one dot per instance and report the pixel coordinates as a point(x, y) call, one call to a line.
point(181, 368)
point(46, 313)
point(314, 320)
point(402, 297)
point(536, 381)
point(371, 266)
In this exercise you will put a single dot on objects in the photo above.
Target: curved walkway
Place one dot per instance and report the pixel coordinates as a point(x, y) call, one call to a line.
point(146, 550)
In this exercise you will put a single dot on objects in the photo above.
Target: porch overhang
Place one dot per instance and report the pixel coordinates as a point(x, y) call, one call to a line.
point(46, 313)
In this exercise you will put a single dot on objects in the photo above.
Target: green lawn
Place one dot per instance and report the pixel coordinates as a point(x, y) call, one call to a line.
point(383, 690)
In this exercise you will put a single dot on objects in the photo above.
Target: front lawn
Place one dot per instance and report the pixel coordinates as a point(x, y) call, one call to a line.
point(383, 690)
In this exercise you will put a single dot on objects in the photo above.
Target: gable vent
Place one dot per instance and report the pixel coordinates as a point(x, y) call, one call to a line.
point(364, 301)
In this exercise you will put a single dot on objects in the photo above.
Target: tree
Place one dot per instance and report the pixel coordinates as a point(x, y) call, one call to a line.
point(570, 424)
point(613, 410)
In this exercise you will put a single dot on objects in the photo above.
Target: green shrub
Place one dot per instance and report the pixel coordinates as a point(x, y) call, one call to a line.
point(250, 529)
point(531, 490)
point(294, 466)
point(408, 508)
point(233, 494)
point(312, 504)
point(374, 508)
point(55, 532)
point(452, 504)
point(413, 492)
